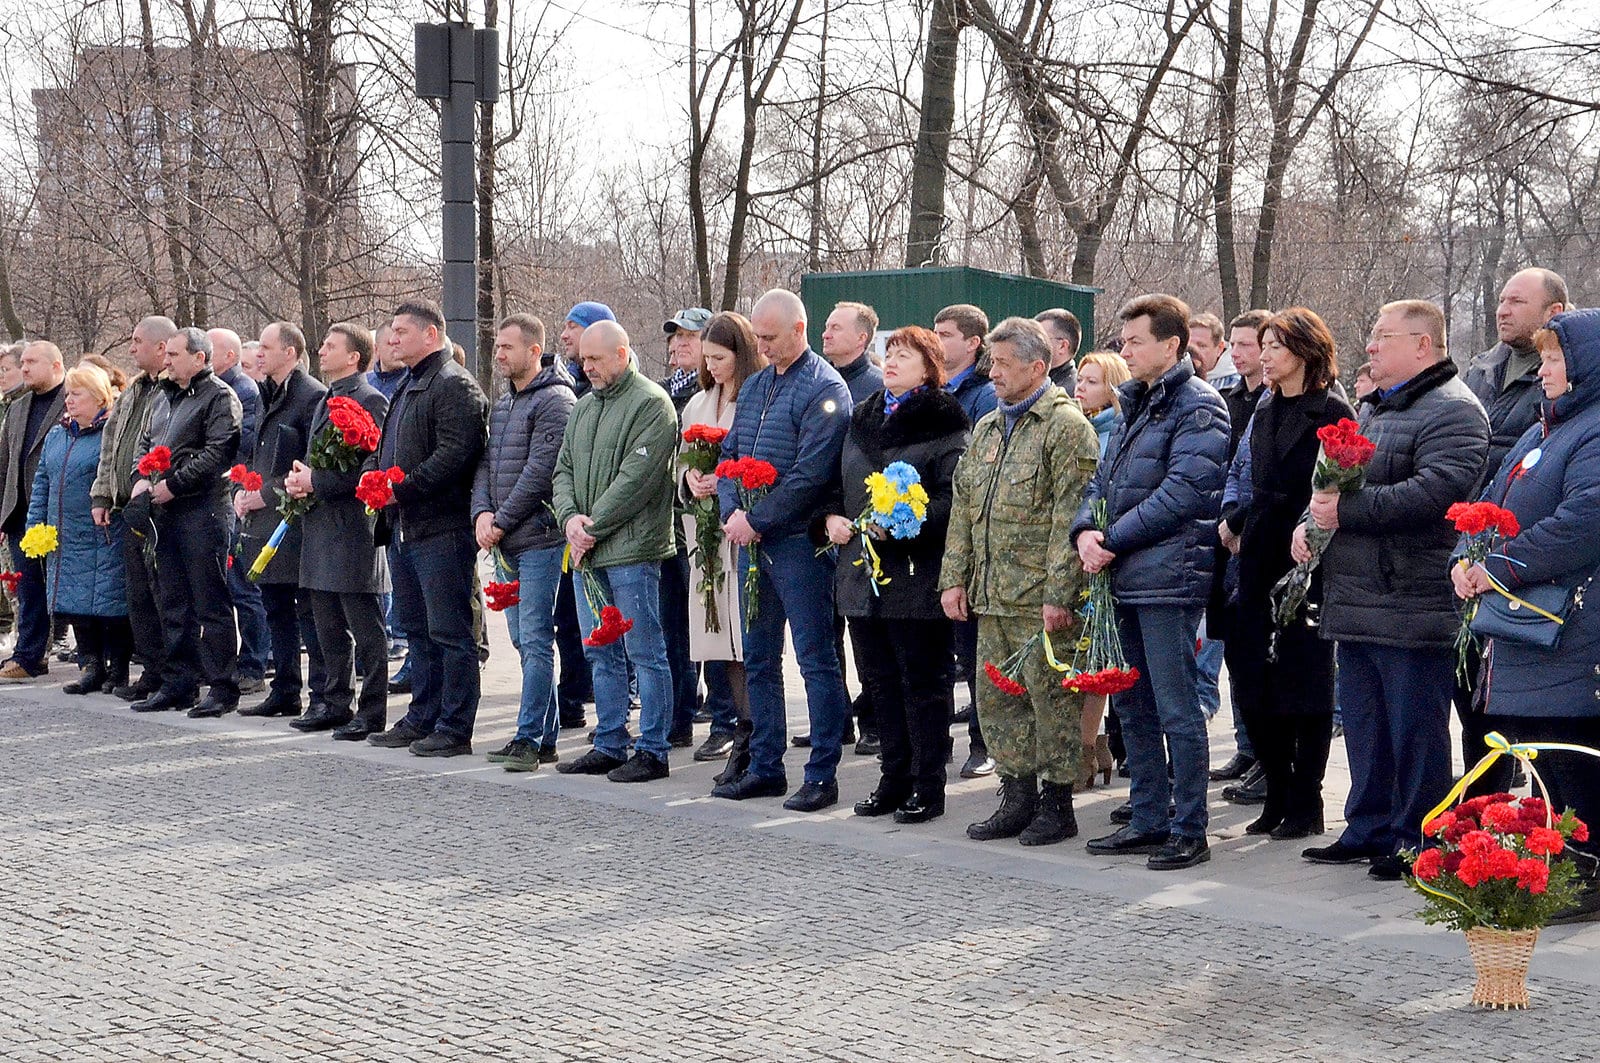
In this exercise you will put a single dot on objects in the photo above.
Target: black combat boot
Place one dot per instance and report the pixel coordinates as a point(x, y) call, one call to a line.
point(1054, 821)
point(1019, 800)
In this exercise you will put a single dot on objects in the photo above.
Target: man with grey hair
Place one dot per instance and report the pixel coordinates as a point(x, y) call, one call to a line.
point(793, 415)
point(113, 489)
point(21, 443)
point(197, 418)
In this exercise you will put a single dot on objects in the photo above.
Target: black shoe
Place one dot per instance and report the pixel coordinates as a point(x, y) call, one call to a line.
point(1179, 852)
point(1340, 853)
point(747, 786)
point(322, 718)
point(399, 736)
point(1269, 821)
point(1125, 842)
point(641, 767)
point(702, 715)
point(593, 762)
point(886, 799)
point(573, 721)
point(138, 691)
point(400, 686)
point(505, 752)
point(90, 682)
point(116, 676)
point(1053, 821)
point(681, 739)
point(1019, 801)
point(920, 807)
point(548, 754)
point(963, 715)
point(1235, 768)
point(164, 701)
point(717, 745)
point(441, 745)
point(356, 730)
point(979, 765)
point(215, 704)
point(738, 757)
point(275, 705)
point(868, 745)
point(251, 684)
point(801, 741)
point(813, 797)
point(1123, 813)
point(1298, 827)
point(1251, 789)
point(1391, 868)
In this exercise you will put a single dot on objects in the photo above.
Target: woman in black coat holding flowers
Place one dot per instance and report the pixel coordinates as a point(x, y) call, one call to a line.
point(1285, 684)
point(892, 604)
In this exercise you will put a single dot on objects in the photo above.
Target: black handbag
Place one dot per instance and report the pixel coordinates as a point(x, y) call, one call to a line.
point(1533, 616)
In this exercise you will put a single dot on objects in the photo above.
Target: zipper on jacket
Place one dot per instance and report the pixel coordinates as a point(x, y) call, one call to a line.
point(988, 498)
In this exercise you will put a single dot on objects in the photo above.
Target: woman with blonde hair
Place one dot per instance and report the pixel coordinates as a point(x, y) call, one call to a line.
point(84, 575)
point(1100, 374)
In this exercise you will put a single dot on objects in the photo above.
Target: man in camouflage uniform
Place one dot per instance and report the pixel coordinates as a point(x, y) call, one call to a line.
point(1009, 561)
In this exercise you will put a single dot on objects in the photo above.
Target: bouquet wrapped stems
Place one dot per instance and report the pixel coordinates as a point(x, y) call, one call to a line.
point(1099, 665)
point(702, 454)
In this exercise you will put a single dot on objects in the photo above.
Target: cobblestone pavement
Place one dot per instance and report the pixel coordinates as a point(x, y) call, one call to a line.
point(221, 890)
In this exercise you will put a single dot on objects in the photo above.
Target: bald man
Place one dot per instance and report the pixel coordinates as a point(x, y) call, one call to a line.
point(29, 418)
point(792, 414)
point(613, 500)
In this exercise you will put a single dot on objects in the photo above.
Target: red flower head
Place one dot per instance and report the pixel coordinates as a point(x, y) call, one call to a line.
point(1542, 841)
point(613, 625)
point(1344, 444)
point(157, 461)
point(705, 433)
point(11, 579)
point(394, 475)
point(1580, 833)
point(1534, 806)
point(1479, 843)
point(727, 468)
point(1502, 818)
point(1473, 871)
point(1428, 865)
point(501, 596)
point(1475, 518)
point(757, 474)
point(1004, 683)
point(1439, 824)
point(236, 474)
point(1502, 864)
point(1533, 875)
point(375, 489)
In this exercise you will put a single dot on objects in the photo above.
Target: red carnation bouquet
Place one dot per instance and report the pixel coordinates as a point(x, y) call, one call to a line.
point(156, 464)
point(702, 453)
point(1482, 523)
point(613, 625)
point(376, 488)
point(343, 444)
point(249, 481)
point(754, 478)
point(502, 596)
point(1098, 665)
point(10, 580)
point(1341, 466)
point(1489, 863)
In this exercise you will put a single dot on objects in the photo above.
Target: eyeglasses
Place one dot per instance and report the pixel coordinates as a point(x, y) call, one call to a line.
point(1379, 337)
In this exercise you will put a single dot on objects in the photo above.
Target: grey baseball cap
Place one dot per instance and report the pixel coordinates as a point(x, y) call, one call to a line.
point(693, 319)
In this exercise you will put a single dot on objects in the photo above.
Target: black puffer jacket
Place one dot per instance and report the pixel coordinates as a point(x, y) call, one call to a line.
point(1385, 575)
point(435, 432)
point(1513, 407)
point(201, 425)
point(1161, 479)
point(928, 432)
point(517, 468)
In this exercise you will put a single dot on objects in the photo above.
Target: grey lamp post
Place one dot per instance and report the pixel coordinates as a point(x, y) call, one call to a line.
point(459, 66)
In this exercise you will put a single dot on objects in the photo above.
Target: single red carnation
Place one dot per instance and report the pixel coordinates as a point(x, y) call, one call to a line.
point(1004, 683)
point(1580, 833)
point(757, 474)
point(1439, 824)
point(1533, 875)
point(1502, 864)
point(1542, 841)
point(1473, 871)
point(1502, 818)
point(1479, 843)
point(1428, 865)
point(1452, 862)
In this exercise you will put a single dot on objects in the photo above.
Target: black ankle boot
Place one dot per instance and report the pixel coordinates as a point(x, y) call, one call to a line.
point(116, 676)
point(1053, 821)
point(1019, 800)
point(90, 682)
point(738, 756)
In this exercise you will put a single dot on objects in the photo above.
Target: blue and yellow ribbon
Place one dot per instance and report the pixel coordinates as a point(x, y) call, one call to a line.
point(268, 552)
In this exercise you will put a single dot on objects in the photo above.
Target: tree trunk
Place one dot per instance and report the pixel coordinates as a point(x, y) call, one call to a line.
point(317, 169)
point(699, 141)
point(814, 233)
point(183, 307)
point(1227, 147)
point(931, 159)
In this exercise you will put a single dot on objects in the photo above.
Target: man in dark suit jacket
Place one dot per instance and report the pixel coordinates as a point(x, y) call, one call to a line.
point(437, 427)
point(27, 421)
point(289, 400)
point(341, 567)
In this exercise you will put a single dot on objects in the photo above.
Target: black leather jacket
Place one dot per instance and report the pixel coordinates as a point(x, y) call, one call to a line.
point(201, 425)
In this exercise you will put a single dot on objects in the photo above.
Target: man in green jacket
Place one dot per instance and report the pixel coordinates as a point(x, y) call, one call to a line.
point(1010, 562)
point(613, 499)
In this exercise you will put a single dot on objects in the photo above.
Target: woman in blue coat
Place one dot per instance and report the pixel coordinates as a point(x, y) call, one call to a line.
point(1551, 481)
point(84, 575)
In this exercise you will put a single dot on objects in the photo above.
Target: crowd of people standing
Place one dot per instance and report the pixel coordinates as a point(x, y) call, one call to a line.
point(1177, 460)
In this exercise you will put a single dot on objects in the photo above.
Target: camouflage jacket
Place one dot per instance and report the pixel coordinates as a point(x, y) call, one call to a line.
point(1009, 542)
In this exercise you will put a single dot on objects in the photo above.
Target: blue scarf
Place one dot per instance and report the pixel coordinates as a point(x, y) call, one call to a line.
point(892, 402)
point(1011, 413)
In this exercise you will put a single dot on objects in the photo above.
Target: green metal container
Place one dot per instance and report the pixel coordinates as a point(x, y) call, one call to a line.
point(913, 296)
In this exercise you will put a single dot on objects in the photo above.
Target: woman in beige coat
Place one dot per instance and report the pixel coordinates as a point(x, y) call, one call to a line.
point(729, 347)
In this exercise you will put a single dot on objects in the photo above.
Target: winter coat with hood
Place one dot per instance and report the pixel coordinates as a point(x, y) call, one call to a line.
point(517, 472)
point(1551, 481)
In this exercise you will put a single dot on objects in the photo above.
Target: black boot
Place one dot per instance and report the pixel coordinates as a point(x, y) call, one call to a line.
point(1053, 821)
point(116, 675)
point(738, 756)
point(1019, 800)
point(90, 682)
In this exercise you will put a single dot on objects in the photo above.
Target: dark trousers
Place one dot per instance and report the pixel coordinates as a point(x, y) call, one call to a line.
point(202, 643)
point(144, 614)
point(33, 606)
point(575, 683)
point(353, 639)
point(720, 696)
point(675, 628)
point(1572, 778)
point(291, 624)
point(1293, 753)
point(254, 636)
point(911, 700)
point(964, 652)
point(433, 599)
point(1395, 704)
point(860, 705)
point(106, 641)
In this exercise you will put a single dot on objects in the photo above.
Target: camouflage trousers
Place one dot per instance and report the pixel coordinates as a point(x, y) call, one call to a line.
point(1037, 733)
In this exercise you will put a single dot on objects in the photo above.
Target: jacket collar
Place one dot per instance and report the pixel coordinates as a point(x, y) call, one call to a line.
point(347, 385)
point(551, 376)
point(1137, 396)
point(171, 386)
point(1418, 386)
point(423, 372)
point(625, 383)
point(855, 368)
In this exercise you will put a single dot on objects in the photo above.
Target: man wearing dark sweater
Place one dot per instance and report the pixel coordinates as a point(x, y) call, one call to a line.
point(845, 338)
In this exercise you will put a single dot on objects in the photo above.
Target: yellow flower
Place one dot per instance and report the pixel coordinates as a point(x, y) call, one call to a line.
point(39, 540)
point(919, 507)
point(917, 495)
point(882, 492)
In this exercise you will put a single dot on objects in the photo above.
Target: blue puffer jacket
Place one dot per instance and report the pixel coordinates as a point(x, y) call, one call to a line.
point(1162, 479)
point(1556, 497)
point(85, 575)
point(796, 420)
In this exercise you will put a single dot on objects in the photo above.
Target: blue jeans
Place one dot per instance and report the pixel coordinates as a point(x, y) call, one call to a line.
point(719, 698)
point(533, 633)
point(636, 590)
point(1396, 708)
point(1159, 641)
point(797, 589)
point(675, 627)
point(254, 636)
point(433, 603)
point(1209, 661)
point(33, 607)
